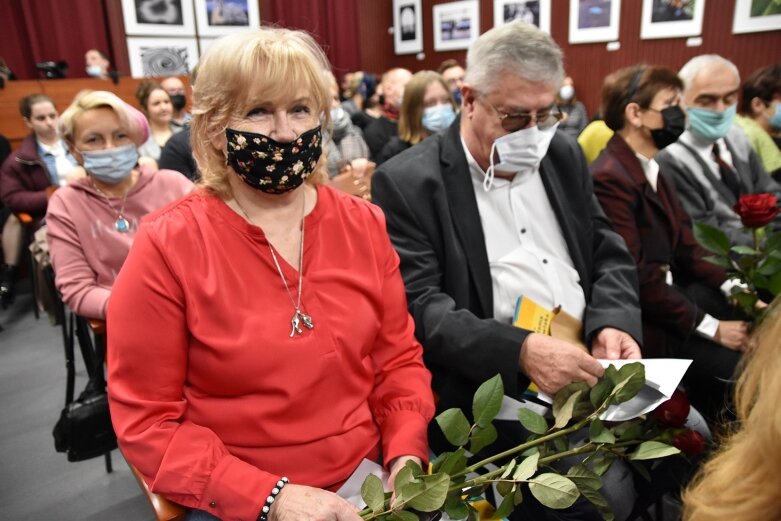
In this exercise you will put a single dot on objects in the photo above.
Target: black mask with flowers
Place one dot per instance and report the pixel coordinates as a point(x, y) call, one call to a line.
point(270, 166)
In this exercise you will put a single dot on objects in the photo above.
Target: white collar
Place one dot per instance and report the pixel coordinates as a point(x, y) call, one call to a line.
point(650, 169)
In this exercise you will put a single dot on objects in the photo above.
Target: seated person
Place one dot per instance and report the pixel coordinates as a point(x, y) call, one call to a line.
point(760, 116)
point(281, 342)
point(156, 105)
point(593, 139)
point(640, 103)
point(453, 74)
point(97, 65)
point(177, 155)
point(92, 222)
point(427, 108)
point(345, 142)
point(176, 92)
point(575, 116)
point(28, 177)
point(379, 131)
point(713, 163)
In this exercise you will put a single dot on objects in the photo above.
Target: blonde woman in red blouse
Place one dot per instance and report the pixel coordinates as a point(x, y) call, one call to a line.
point(259, 328)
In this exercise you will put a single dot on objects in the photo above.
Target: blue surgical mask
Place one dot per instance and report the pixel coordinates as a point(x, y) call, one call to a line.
point(111, 165)
point(775, 121)
point(438, 117)
point(711, 125)
point(457, 96)
point(95, 71)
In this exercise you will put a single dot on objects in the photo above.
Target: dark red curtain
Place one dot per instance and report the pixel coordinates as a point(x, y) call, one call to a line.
point(334, 24)
point(51, 30)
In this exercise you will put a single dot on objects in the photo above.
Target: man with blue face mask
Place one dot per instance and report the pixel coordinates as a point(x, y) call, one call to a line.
point(713, 162)
point(500, 205)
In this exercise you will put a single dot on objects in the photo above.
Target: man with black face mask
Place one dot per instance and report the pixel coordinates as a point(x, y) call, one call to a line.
point(175, 89)
point(641, 104)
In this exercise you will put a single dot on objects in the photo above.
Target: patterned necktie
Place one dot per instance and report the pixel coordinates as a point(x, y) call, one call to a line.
point(728, 175)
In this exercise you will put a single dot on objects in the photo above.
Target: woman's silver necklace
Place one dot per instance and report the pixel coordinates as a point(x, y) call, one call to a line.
point(121, 224)
point(299, 317)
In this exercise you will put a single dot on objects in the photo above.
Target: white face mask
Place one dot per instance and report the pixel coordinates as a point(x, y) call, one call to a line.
point(566, 92)
point(519, 151)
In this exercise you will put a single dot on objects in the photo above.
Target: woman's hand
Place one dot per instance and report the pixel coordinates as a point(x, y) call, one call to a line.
point(395, 466)
point(732, 334)
point(302, 503)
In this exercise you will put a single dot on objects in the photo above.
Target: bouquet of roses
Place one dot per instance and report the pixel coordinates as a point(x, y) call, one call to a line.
point(756, 267)
point(452, 482)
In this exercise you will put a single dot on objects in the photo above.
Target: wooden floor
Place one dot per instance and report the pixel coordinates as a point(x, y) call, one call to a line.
point(36, 482)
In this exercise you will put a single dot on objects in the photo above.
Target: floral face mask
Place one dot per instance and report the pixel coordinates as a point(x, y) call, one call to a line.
point(270, 166)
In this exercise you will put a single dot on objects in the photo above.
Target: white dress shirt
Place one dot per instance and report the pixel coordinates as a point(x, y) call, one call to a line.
point(705, 150)
point(527, 253)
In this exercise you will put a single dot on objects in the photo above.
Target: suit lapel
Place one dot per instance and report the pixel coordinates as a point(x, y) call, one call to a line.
point(717, 184)
point(465, 215)
point(740, 167)
point(634, 170)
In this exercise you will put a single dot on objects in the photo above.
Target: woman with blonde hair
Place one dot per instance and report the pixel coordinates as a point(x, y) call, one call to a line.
point(270, 305)
point(92, 221)
point(741, 482)
point(426, 108)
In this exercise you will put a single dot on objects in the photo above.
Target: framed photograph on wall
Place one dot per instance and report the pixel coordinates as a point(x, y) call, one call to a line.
point(671, 18)
point(158, 17)
point(593, 20)
point(221, 17)
point(753, 16)
point(535, 12)
point(456, 25)
point(161, 56)
point(407, 26)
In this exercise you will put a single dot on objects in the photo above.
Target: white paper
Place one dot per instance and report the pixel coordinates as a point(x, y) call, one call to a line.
point(351, 490)
point(662, 376)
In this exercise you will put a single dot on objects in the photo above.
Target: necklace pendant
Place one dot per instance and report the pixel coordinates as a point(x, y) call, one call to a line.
point(298, 319)
point(122, 225)
point(307, 320)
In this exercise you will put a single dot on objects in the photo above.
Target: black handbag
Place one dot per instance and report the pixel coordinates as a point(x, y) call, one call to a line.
point(84, 429)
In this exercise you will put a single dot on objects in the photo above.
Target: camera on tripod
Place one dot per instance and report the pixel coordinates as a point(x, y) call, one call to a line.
point(53, 70)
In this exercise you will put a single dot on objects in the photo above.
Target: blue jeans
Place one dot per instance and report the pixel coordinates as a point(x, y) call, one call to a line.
point(200, 515)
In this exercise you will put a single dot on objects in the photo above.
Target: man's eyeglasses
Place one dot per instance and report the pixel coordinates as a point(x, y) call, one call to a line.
point(520, 120)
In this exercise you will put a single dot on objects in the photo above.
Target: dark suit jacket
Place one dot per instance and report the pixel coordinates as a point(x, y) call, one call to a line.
point(434, 223)
point(377, 134)
point(658, 233)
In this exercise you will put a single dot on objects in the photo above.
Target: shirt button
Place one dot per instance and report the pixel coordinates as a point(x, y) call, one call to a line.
point(213, 504)
point(545, 261)
point(523, 230)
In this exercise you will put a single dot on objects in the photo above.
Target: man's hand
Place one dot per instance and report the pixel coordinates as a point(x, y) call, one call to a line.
point(614, 344)
point(553, 364)
point(297, 502)
point(732, 334)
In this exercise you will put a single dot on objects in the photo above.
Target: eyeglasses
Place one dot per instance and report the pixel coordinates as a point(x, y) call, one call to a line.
point(513, 122)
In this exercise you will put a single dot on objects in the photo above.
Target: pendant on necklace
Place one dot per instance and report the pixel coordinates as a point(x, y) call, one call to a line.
point(121, 225)
point(298, 319)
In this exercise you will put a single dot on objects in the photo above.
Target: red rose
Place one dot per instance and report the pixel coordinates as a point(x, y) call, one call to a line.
point(756, 210)
point(689, 442)
point(673, 412)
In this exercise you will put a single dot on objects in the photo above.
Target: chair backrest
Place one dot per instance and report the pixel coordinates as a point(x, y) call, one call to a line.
point(165, 510)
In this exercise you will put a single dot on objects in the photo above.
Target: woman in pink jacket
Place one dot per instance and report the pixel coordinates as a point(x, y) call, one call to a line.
point(92, 222)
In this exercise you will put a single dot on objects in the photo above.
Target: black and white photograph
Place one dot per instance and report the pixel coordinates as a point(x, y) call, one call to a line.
point(221, 17)
point(535, 12)
point(154, 57)
point(158, 17)
point(593, 20)
point(671, 18)
point(752, 16)
point(407, 26)
point(456, 25)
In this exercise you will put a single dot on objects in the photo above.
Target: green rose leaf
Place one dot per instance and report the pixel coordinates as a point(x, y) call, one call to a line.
point(454, 426)
point(744, 250)
point(631, 380)
point(488, 401)
point(451, 462)
point(628, 430)
point(774, 284)
point(518, 496)
point(402, 515)
point(653, 450)
point(563, 395)
point(599, 393)
point(456, 508)
point(527, 468)
point(403, 477)
point(611, 374)
point(601, 463)
point(711, 238)
point(599, 434)
point(596, 498)
point(554, 490)
point(505, 488)
point(770, 266)
point(481, 438)
point(372, 493)
point(773, 242)
point(428, 495)
point(508, 469)
point(564, 414)
point(584, 478)
point(718, 261)
point(505, 507)
point(532, 421)
point(640, 469)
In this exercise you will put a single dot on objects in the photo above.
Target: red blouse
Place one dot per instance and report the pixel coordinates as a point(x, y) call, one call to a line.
point(212, 400)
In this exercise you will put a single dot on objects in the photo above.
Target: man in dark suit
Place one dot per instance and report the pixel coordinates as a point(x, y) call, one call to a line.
point(498, 206)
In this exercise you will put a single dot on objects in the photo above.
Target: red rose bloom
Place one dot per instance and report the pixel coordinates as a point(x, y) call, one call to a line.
point(689, 442)
point(757, 210)
point(673, 412)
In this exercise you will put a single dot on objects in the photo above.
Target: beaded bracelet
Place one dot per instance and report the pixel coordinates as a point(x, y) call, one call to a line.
point(270, 500)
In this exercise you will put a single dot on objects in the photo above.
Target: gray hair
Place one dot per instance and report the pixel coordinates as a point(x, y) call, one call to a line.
point(516, 48)
point(694, 66)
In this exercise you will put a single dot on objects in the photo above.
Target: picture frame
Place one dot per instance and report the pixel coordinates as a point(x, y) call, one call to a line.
point(145, 18)
point(753, 16)
point(662, 19)
point(222, 17)
point(536, 12)
point(456, 25)
point(160, 57)
point(407, 26)
point(593, 21)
